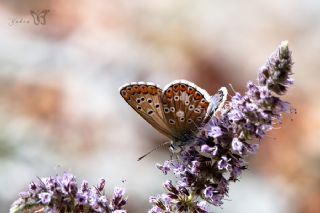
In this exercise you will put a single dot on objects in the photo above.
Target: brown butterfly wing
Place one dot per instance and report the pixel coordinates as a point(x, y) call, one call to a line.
point(185, 108)
point(145, 99)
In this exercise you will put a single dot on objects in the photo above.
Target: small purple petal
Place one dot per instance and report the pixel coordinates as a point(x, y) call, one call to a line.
point(214, 132)
point(82, 199)
point(195, 168)
point(156, 209)
point(237, 146)
point(207, 149)
point(166, 199)
point(165, 168)
point(224, 163)
point(250, 107)
point(235, 115)
point(45, 197)
point(24, 195)
point(119, 192)
point(84, 186)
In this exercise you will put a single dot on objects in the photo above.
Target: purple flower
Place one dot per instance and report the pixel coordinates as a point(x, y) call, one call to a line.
point(118, 200)
point(214, 132)
point(82, 199)
point(61, 194)
point(253, 148)
point(165, 168)
point(213, 196)
point(103, 201)
point(235, 115)
point(205, 169)
point(25, 195)
point(166, 199)
point(168, 185)
point(251, 107)
point(224, 163)
point(179, 169)
point(202, 205)
point(101, 184)
point(237, 100)
point(207, 149)
point(155, 209)
point(45, 197)
point(195, 167)
point(119, 192)
point(237, 146)
point(53, 210)
point(84, 186)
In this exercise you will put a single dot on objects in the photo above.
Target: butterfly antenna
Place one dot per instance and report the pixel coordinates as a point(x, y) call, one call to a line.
point(230, 85)
point(159, 146)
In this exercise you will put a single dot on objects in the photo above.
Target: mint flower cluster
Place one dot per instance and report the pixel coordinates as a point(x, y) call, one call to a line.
point(217, 154)
point(62, 194)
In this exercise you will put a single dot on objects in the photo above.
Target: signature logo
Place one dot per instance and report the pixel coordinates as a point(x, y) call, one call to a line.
point(38, 16)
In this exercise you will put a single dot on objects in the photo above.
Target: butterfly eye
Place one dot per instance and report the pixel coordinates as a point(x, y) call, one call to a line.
point(139, 108)
point(138, 100)
point(176, 98)
point(150, 111)
point(157, 105)
point(199, 118)
point(189, 121)
point(166, 110)
point(181, 119)
point(187, 102)
point(203, 100)
point(142, 99)
point(172, 109)
point(149, 100)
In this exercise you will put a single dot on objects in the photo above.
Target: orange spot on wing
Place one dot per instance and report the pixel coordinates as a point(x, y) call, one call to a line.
point(169, 94)
point(183, 87)
point(190, 91)
point(150, 90)
point(197, 96)
point(130, 91)
point(135, 89)
point(155, 91)
point(144, 89)
point(175, 87)
point(204, 105)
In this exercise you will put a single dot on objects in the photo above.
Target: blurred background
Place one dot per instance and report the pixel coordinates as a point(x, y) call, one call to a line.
point(60, 109)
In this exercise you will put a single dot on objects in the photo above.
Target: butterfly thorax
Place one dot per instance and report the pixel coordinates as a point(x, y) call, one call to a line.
point(183, 140)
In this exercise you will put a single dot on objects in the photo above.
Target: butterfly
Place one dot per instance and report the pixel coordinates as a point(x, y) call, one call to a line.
point(178, 111)
point(39, 17)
